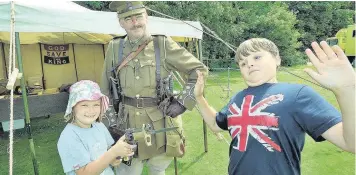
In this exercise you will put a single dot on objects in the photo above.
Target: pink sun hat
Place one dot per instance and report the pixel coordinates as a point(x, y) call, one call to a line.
point(85, 90)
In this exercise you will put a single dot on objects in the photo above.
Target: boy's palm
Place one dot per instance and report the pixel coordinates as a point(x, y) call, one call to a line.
point(333, 69)
point(199, 85)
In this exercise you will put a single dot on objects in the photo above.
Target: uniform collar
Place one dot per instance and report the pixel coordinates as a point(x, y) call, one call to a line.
point(140, 42)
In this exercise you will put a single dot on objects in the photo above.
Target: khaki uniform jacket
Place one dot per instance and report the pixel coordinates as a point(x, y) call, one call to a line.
point(138, 79)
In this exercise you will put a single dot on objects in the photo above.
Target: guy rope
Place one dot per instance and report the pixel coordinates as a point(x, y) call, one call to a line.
point(230, 46)
point(14, 74)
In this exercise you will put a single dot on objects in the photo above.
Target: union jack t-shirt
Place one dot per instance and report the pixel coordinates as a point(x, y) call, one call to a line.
point(268, 123)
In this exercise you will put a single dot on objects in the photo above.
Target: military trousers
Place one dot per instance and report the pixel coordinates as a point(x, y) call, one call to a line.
point(156, 166)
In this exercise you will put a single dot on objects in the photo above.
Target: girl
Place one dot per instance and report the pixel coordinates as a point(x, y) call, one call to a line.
point(84, 144)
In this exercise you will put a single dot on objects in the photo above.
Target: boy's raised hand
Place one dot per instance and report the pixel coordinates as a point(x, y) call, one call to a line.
point(333, 70)
point(199, 85)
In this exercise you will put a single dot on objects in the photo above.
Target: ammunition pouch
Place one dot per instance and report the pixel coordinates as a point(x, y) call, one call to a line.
point(175, 145)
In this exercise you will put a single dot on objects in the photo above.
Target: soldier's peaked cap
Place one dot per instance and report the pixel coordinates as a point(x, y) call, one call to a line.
point(127, 8)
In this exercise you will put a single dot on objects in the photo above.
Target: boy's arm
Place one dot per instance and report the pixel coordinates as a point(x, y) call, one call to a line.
point(336, 74)
point(208, 112)
point(343, 134)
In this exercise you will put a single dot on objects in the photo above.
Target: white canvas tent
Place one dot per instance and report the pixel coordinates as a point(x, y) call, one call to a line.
point(58, 22)
point(85, 34)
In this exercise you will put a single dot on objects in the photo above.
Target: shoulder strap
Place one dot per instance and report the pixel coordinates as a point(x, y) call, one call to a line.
point(121, 51)
point(132, 55)
point(120, 54)
point(158, 58)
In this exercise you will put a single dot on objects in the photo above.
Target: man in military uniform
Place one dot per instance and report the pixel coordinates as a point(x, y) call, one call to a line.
point(139, 79)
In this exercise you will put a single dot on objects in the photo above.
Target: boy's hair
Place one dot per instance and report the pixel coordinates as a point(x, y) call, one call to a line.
point(255, 45)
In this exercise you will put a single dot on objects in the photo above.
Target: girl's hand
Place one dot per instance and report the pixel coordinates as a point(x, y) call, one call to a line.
point(116, 162)
point(123, 149)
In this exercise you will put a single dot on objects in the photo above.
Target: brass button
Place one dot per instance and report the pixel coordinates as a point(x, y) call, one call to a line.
point(138, 96)
point(138, 113)
point(153, 64)
point(137, 77)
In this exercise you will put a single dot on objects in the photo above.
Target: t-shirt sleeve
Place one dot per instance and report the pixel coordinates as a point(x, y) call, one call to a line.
point(221, 116)
point(108, 136)
point(72, 152)
point(314, 114)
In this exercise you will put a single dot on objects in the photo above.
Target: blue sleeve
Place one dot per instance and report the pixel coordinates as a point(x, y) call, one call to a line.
point(314, 114)
point(108, 136)
point(72, 152)
point(221, 116)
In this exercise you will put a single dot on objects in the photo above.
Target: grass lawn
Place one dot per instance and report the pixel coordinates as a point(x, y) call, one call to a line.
point(317, 158)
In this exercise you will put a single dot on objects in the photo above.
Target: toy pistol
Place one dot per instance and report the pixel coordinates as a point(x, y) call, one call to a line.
point(132, 135)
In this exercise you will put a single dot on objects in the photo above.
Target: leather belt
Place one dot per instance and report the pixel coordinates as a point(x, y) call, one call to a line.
point(141, 102)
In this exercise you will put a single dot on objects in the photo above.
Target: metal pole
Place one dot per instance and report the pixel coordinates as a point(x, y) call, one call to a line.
point(200, 56)
point(24, 97)
point(175, 166)
point(75, 63)
point(43, 75)
point(3, 56)
point(228, 82)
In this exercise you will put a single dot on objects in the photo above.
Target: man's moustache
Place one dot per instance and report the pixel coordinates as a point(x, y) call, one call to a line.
point(136, 27)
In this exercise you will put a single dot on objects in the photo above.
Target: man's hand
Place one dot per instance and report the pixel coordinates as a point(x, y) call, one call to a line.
point(199, 85)
point(333, 70)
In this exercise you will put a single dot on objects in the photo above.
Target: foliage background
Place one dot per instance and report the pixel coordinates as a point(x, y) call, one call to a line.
point(291, 25)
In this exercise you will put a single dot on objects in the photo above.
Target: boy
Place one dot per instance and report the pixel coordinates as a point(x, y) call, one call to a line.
point(268, 120)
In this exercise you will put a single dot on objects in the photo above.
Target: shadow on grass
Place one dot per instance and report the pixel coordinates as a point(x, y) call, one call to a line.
point(185, 166)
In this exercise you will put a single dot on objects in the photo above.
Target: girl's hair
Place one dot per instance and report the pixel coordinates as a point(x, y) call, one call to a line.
point(255, 45)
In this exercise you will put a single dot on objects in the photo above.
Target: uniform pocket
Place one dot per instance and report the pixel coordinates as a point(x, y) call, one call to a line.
point(175, 146)
point(148, 72)
point(157, 119)
point(126, 76)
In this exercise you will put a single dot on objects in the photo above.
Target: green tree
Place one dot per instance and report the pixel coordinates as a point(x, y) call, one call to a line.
point(272, 20)
point(95, 5)
point(319, 20)
point(291, 25)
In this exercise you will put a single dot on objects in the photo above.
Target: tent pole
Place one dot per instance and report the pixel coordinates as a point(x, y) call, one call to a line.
point(24, 97)
point(200, 56)
point(75, 63)
point(43, 76)
point(3, 56)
